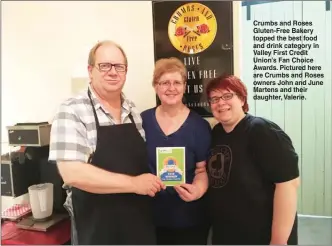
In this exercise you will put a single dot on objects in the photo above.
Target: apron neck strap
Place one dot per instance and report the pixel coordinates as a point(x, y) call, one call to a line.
point(95, 114)
point(131, 118)
point(94, 110)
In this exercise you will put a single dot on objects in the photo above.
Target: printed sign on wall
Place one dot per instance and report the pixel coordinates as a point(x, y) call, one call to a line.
point(201, 35)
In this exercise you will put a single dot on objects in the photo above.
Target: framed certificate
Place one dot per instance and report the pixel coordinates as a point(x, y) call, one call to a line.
point(171, 168)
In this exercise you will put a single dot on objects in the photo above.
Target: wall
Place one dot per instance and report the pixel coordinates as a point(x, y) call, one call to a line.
point(308, 122)
point(46, 44)
point(45, 48)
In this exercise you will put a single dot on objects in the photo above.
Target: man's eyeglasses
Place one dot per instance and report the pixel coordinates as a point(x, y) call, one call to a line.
point(225, 97)
point(166, 84)
point(106, 66)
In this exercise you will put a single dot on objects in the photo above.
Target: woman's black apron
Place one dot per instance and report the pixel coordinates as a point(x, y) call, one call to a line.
point(115, 218)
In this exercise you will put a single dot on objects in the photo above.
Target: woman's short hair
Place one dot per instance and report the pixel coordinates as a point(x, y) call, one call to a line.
point(168, 65)
point(230, 83)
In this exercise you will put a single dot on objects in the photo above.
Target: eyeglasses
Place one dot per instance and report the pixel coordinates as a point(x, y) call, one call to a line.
point(166, 84)
point(225, 97)
point(106, 66)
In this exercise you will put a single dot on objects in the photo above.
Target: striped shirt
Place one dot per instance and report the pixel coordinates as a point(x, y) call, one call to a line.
point(73, 132)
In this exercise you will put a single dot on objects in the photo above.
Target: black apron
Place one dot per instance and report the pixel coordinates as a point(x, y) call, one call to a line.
point(115, 218)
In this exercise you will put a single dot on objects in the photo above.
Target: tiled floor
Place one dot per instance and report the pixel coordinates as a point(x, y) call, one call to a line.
point(315, 231)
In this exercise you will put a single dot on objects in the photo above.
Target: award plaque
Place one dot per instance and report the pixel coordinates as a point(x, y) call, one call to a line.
point(171, 165)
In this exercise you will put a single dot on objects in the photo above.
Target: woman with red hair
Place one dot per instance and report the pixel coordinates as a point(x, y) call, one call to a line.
point(253, 172)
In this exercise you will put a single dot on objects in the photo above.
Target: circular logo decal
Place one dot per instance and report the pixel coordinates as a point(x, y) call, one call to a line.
point(192, 28)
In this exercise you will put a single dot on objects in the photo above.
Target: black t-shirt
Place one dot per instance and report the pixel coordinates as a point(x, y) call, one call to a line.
point(243, 167)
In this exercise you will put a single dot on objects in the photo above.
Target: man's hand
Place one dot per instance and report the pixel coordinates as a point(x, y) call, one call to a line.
point(188, 192)
point(147, 184)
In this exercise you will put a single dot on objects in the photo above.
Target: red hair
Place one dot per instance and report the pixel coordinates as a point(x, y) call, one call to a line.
point(230, 83)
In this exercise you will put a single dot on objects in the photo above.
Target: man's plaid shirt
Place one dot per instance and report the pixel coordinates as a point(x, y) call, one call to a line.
point(73, 132)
